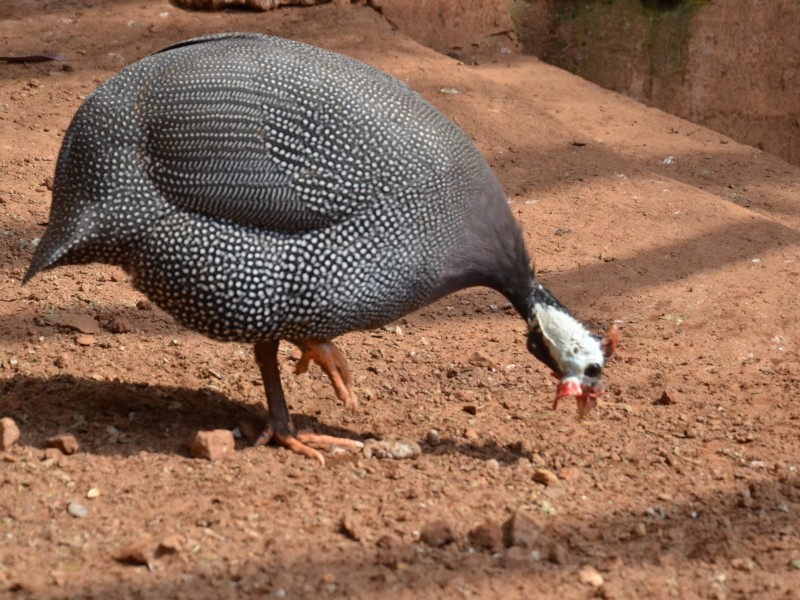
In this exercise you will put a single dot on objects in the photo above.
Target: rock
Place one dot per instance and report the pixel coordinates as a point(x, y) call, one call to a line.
point(144, 305)
point(397, 449)
point(480, 359)
point(487, 536)
point(85, 340)
point(351, 527)
point(9, 433)
point(437, 534)
point(61, 361)
point(433, 437)
point(742, 564)
point(590, 576)
point(547, 507)
point(640, 530)
point(664, 399)
point(119, 325)
point(558, 554)
point(545, 476)
point(212, 445)
point(569, 473)
point(77, 510)
point(393, 552)
point(472, 434)
point(65, 442)
point(172, 544)
point(52, 455)
point(523, 530)
point(517, 558)
point(93, 493)
point(470, 409)
point(79, 322)
point(136, 552)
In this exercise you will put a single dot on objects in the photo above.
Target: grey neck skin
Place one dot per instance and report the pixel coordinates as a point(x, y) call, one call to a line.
point(492, 253)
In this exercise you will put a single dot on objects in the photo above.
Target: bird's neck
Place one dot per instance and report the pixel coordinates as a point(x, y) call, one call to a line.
point(491, 251)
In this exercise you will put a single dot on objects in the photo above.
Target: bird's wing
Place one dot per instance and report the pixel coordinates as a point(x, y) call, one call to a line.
point(238, 134)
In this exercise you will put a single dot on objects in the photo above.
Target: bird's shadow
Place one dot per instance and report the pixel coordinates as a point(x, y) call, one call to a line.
point(123, 418)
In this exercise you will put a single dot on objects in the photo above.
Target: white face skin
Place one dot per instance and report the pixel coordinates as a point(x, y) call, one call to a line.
point(572, 345)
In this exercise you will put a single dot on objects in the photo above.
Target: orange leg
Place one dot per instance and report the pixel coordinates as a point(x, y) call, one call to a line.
point(333, 362)
point(279, 423)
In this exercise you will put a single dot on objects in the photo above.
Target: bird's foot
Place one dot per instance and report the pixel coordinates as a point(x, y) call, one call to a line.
point(333, 362)
point(302, 443)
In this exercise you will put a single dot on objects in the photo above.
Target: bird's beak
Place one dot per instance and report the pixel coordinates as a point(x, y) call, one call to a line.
point(584, 394)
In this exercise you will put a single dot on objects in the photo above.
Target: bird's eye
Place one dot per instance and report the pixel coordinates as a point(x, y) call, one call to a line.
point(593, 370)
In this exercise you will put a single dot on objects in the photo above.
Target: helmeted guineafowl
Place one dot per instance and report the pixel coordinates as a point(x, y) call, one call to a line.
point(260, 189)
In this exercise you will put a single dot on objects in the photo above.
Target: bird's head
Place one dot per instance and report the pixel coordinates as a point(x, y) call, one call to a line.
point(575, 355)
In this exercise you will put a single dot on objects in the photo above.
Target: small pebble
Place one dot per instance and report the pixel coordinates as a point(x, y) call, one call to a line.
point(394, 552)
point(590, 576)
point(487, 536)
point(481, 359)
point(212, 445)
point(172, 544)
point(51, 455)
point(433, 437)
point(471, 434)
point(545, 476)
point(547, 507)
point(524, 530)
point(664, 399)
point(9, 433)
point(569, 473)
point(119, 325)
point(351, 527)
point(77, 510)
point(396, 449)
point(136, 552)
point(79, 322)
point(65, 442)
point(437, 534)
point(558, 554)
point(93, 493)
point(85, 340)
point(742, 564)
point(518, 558)
point(329, 578)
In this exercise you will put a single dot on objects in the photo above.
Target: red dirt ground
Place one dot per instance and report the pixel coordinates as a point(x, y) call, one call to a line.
point(695, 257)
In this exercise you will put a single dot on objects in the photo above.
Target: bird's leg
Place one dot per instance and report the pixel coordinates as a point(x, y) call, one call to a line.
point(279, 423)
point(333, 362)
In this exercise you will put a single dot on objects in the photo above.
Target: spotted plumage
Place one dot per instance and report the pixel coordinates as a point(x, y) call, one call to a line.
point(260, 190)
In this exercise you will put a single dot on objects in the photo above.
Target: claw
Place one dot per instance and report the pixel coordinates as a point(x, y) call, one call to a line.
point(334, 363)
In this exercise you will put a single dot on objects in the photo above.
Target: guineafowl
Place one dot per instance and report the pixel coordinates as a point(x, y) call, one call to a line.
point(259, 189)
